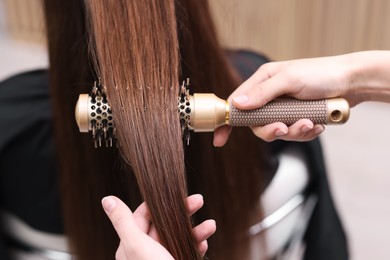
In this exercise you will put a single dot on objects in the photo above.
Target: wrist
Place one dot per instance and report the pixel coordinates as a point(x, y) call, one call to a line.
point(368, 76)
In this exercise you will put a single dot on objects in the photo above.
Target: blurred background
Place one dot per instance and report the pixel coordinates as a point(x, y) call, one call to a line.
point(357, 154)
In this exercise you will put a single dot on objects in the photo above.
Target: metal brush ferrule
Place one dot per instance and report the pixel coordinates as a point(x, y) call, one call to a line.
point(207, 112)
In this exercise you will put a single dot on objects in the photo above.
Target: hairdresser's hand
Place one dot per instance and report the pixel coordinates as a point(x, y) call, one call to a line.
point(302, 79)
point(139, 238)
point(350, 76)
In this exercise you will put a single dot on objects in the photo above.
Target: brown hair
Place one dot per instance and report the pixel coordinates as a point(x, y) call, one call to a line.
point(141, 76)
point(141, 49)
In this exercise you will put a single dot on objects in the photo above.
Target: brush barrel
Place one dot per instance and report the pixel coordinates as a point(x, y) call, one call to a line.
point(93, 114)
point(289, 111)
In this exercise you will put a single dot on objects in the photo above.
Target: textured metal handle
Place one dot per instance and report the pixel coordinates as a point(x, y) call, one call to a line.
point(289, 111)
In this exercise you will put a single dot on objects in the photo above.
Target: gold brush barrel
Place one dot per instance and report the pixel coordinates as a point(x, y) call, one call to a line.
point(209, 112)
point(93, 114)
point(82, 113)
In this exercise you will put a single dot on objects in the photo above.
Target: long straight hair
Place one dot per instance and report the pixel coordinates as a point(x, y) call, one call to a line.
point(141, 50)
point(233, 177)
point(141, 78)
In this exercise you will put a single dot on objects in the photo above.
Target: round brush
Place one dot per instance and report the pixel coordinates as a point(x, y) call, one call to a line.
point(204, 112)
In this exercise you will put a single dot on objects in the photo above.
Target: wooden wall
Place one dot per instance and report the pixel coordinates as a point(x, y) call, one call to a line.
point(286, 29)
point(24, 20)
point(282, 29)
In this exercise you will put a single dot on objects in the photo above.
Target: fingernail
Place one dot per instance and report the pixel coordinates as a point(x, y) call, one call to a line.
point(108, 203)
point(306, 128)
point(319, 129)
point(215, 223)
point(241, 99)
point(200, 196)
point(280, 132)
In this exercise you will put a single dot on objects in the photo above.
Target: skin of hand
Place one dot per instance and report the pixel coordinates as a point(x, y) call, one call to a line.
point(357, 77)
point(138, 236)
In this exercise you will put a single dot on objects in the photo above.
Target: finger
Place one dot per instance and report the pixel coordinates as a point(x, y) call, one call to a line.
point(315, 132)
point(142, 217)
point(204, 230)
point(262, 93)
point(153, 233)
point(194, 203)
point(298, 130)
point(202, 247)
point(263, 73)
point(120, 253)
point(318, 129)
point(270, 132)
point(221, 135)
point(302, 131)
point(142, 214)
point(121, 217)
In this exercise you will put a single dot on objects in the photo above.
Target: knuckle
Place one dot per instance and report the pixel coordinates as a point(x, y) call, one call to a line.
point(267, 66)
point(117, 254)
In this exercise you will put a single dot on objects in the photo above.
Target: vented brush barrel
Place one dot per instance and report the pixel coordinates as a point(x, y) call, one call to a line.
point(93, 114)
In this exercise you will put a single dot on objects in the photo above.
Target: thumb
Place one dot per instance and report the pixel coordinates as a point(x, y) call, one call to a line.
point(121, 217)
point(221, 135)
point(262, 93)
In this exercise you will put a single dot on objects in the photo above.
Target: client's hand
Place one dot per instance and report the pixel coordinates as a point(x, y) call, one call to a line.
point(138, 236)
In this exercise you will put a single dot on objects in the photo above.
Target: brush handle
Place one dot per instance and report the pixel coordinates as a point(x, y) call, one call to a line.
point(289, 111)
